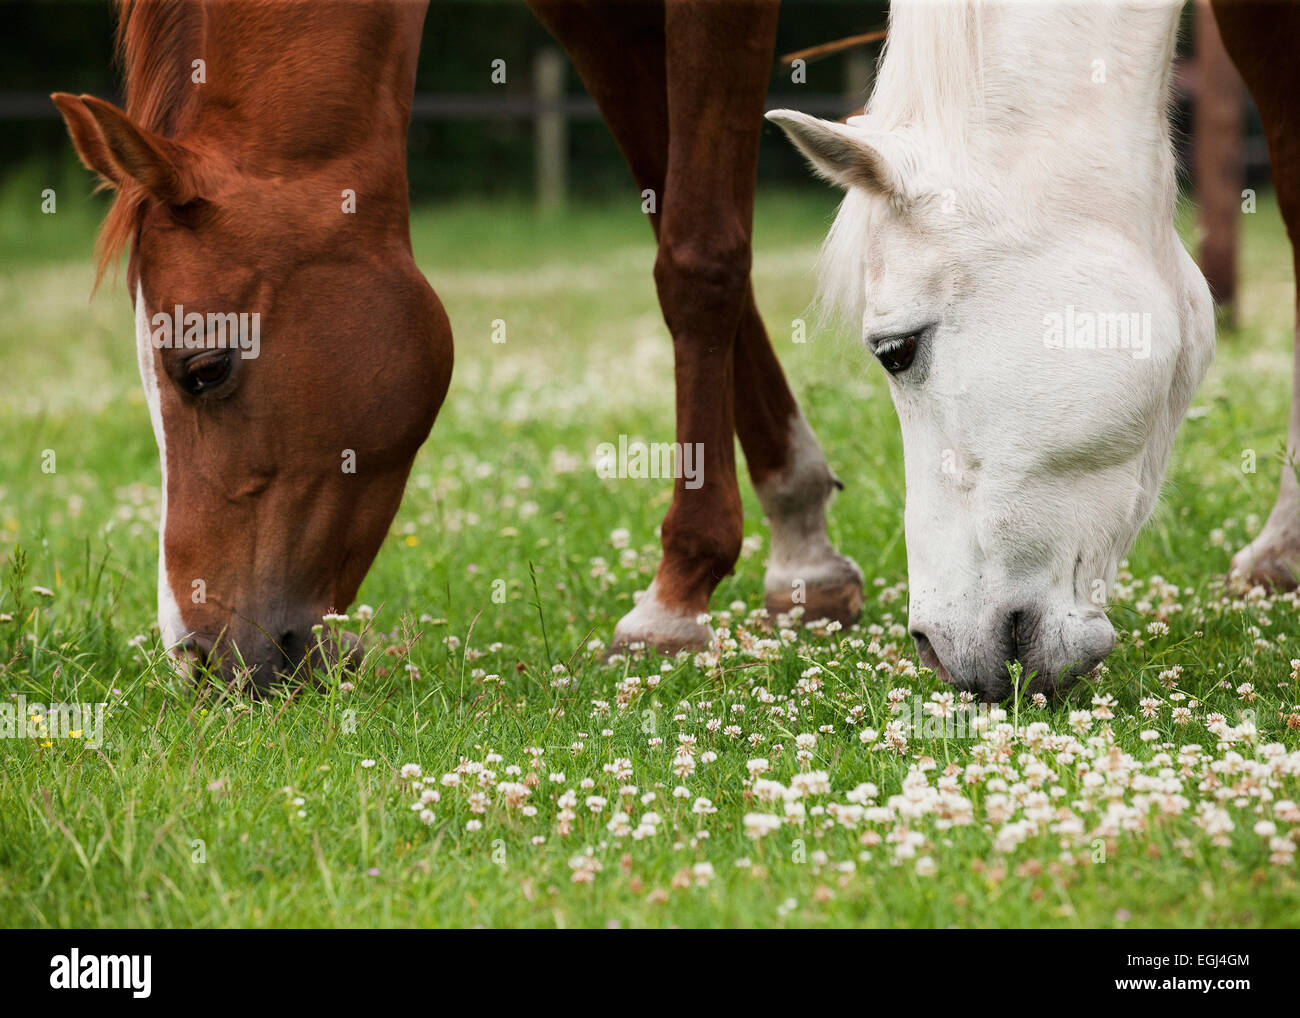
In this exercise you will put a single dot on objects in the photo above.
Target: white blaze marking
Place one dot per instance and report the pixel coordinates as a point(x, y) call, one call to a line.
point(169, 614)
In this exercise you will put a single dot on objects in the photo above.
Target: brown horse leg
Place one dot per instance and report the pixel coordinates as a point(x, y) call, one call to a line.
point(620, 55)
point(794, 484)
point(619, 50)
point(718, 59)
point(1260, 38)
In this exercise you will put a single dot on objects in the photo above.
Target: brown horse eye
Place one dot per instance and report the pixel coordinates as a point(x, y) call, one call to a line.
point(206, 372)
point(896, 354)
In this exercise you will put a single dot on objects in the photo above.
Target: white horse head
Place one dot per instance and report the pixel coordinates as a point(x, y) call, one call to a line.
point(1007, 243)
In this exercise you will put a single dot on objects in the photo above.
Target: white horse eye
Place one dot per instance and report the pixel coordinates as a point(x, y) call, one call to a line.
point(896, 354)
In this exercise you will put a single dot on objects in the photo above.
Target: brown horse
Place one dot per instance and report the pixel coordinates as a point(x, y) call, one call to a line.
point(233, 190)
point(260, 171)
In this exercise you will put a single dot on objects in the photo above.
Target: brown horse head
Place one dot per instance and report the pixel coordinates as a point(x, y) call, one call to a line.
point(293, 357)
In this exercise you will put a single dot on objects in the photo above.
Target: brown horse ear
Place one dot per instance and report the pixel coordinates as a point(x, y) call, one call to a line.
point(110, 143)
point(86, 138)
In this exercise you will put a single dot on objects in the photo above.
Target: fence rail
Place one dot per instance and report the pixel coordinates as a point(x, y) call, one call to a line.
point(16, 106)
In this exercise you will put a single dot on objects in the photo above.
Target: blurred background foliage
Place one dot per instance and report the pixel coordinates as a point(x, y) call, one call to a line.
point(67, 45)
point(478, 140)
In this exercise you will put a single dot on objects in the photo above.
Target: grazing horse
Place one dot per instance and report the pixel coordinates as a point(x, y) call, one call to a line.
point(260, 168)
point(1007, 245)
point(247, 127)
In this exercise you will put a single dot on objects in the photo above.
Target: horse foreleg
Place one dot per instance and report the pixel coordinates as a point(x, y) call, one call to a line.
point(718, 58)
point(1260, 38)
point(794, 484)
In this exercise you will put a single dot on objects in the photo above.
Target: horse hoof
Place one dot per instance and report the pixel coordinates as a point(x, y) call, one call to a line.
point(834, 593)
point(1264, 563)
point(652, 624)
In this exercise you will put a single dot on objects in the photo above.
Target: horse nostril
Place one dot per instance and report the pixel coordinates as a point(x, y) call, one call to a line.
point(928, 656)
point(1021, 632)
point(293, 645)
point(191, 648)
point(1013, 635)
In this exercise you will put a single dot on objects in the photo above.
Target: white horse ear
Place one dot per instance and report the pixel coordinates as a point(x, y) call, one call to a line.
point(839, 153)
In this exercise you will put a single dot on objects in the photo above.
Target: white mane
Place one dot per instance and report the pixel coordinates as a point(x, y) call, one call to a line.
point(931, 69)
point(994, 105)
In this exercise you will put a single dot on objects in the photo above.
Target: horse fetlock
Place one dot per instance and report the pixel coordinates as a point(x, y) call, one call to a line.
point(804, 570)
point(697, 556)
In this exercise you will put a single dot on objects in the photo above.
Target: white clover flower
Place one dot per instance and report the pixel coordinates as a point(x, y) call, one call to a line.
point(703, 806)
point(759, 825)
point(768, 791)
point(811, 783)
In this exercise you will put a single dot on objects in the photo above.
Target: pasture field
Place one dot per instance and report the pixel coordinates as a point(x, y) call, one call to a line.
point(487, 766)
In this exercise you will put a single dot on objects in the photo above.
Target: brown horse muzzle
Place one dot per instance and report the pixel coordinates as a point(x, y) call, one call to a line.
point(255, 664)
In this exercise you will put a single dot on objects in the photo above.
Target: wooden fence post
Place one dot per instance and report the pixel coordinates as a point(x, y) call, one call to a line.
point(551, 129)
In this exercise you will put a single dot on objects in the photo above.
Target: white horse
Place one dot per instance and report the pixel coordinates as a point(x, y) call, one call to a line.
point(1007, 243)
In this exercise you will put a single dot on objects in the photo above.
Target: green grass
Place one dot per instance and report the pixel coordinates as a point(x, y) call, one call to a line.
point(204, 813)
